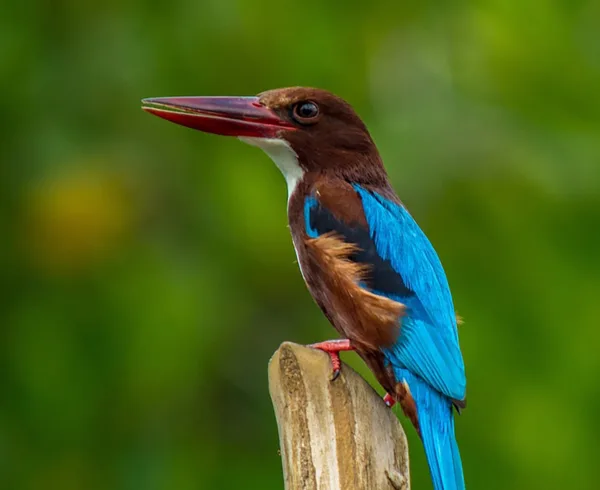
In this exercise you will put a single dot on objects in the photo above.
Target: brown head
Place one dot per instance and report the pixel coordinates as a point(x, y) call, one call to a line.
point(304, 130)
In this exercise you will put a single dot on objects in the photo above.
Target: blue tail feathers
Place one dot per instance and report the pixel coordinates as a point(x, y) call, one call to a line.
point(436, 422)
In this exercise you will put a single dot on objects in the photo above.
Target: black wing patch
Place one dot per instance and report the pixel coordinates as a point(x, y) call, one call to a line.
point(382, 277)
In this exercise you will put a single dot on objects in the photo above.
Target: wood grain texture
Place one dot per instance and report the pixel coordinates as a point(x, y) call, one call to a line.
point(334, 435)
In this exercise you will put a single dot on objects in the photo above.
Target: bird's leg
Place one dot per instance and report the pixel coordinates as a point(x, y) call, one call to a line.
point(389, 400)
point(333, 348)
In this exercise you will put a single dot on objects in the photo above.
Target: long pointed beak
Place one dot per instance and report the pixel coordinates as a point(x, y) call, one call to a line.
point(229, 116)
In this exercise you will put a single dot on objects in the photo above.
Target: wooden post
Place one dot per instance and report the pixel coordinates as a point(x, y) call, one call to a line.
point(334, 435)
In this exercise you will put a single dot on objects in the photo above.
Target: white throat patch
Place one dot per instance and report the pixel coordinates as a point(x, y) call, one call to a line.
point(284, 157)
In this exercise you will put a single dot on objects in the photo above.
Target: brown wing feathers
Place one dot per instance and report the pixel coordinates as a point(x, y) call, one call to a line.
point(370, 319)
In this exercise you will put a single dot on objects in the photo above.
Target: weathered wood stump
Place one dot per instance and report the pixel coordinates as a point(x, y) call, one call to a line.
point(334, 435)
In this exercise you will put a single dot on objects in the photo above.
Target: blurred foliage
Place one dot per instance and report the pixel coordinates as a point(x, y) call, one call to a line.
point(147, 273)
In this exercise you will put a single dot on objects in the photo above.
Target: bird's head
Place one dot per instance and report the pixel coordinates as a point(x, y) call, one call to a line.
point(301, 129)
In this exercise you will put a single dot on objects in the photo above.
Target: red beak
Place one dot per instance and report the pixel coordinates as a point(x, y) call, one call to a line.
point(229, 116)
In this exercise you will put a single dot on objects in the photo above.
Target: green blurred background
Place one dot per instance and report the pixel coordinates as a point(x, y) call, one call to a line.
point(148, 274)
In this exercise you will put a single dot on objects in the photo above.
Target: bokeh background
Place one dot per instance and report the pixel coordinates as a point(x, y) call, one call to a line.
point(148, 274)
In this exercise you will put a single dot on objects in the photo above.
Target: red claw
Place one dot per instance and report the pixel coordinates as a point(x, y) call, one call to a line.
point(389, 400)
point(333, 348)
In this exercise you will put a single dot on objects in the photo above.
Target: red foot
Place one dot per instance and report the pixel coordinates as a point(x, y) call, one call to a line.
point(389, 400)
point(333, 348)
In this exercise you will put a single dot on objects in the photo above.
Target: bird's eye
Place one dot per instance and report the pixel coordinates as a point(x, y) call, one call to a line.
point(305, 112)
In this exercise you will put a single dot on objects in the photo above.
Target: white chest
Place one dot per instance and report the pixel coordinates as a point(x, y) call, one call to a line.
point(284, 157)
point(286, 160)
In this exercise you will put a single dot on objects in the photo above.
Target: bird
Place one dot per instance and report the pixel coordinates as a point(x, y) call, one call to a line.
point(366, 262)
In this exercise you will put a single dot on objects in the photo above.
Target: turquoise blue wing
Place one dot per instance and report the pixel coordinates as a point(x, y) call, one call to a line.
point(428, 343)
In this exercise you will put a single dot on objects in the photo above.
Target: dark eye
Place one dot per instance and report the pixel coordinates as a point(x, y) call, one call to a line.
point(303, 112)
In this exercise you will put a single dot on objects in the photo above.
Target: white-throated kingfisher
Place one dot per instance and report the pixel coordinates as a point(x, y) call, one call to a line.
point(366, 262)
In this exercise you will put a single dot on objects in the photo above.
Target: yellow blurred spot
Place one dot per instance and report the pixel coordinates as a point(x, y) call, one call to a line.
point(76, 221)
